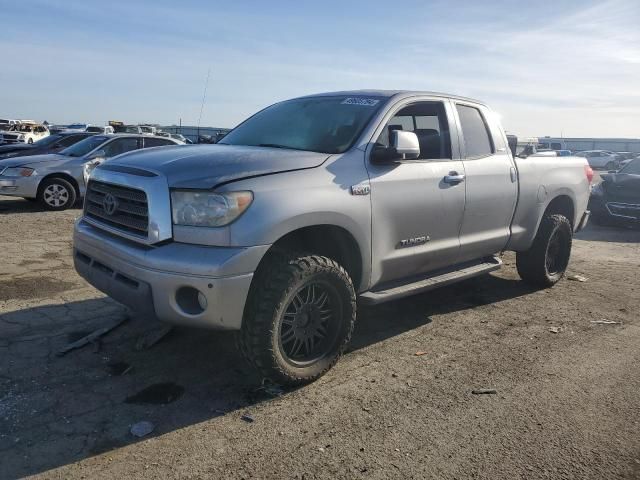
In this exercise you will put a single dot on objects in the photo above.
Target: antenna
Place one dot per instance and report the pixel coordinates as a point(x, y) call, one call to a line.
point(204, 96)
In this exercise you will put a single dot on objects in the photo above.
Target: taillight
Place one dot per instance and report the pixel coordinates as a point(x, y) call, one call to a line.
point(588, 171)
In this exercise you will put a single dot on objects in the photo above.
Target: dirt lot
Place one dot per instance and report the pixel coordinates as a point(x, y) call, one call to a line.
point(567, 403)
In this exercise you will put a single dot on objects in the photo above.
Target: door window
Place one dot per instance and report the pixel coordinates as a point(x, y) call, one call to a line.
point(120, 145)
point(428, 120)
point(476, 134)
point(157, 142)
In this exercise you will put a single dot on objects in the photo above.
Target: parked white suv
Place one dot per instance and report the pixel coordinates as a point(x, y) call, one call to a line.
point(27, 132)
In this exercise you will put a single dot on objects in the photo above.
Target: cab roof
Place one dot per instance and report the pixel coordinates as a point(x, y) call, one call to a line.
point(392, 93)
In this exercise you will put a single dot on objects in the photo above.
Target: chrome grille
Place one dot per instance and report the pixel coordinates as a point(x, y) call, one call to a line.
point(118, 207)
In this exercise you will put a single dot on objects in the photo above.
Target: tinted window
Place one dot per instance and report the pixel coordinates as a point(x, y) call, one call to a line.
point(157, 142)
point(428, 121)
point(46, 141)
point(632, 168)
point(84, 146)
point(318, 124)
point(475, 132)
point(120, 145)
point(68, 140)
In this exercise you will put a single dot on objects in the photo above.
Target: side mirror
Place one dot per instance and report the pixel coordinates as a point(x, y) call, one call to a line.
point(99, 155)
point(404, 145)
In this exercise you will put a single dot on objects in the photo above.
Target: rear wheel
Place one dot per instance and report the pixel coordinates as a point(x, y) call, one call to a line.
point(299, 318)
point(56, 194)
point(545, 263)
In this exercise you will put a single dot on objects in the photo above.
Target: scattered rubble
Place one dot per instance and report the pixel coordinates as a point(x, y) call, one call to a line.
point(142, 429)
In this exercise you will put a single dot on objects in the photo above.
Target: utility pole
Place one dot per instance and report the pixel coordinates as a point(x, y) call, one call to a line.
point(204, 96)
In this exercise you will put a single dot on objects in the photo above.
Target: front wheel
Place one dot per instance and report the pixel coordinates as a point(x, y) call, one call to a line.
point(299, 318)
point(56, 194)
point(30, 141)
point(545, 263)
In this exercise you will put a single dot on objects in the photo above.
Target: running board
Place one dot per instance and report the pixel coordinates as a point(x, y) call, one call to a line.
point(486, 265)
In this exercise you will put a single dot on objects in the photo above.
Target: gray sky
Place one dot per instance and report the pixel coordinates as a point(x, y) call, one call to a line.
point(568, 67)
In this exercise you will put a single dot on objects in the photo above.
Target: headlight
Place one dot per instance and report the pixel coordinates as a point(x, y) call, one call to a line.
point(21, 136)
point(87, 169)
point(200, 208)
point(18, 172)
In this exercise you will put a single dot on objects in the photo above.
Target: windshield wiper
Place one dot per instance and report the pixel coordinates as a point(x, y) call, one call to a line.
point(275, 145)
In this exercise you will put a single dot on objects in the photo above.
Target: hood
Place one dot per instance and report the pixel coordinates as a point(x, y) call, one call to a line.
point(30, 160)
point(621, 187)
point(205, 166)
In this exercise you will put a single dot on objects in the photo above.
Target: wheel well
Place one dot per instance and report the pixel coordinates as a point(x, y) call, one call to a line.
point(326, 240)
point(562, 205)
point(64, 176)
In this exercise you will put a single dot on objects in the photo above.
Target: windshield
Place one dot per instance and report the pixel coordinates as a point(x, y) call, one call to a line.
point(25, 128)
point(316, 124)
point(132, 129)
point(76, 126)
point(84, 146)
point(632, 168)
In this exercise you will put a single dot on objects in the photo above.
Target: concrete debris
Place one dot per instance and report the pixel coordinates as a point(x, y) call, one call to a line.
point(149, 339)
point(555, 329)
point(606, 322)
point(247, 418)
point(142, 429)
point(484, 391)
point(577, 278)
point(92, 338)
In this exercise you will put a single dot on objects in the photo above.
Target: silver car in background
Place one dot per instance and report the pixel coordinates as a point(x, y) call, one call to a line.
point(58, 180)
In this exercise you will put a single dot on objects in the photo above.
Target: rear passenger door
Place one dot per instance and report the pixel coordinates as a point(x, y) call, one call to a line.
point(490, 182)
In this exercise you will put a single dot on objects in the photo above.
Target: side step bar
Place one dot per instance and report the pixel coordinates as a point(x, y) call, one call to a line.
point(486, 265)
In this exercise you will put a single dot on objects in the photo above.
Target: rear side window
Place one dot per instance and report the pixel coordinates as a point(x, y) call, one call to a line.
point(476, 134)
point(69, 140)
point(157, 142)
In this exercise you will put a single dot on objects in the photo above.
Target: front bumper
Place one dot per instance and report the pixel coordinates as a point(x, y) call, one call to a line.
point(19, 186)
point(153, 280)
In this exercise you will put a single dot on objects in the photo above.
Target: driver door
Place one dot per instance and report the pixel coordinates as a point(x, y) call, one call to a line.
point(416, 211)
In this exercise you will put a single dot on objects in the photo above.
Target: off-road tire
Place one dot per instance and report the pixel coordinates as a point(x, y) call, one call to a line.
point(532, 264)
point(276, 283)
point(70, 198)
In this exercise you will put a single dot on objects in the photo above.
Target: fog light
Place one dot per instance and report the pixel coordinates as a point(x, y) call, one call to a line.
point(202, 301)
point(191, 301)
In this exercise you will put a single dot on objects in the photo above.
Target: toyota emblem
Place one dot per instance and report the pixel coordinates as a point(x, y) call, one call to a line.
point(110, 204)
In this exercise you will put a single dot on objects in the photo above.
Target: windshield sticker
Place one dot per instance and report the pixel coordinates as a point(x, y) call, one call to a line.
point(365, 102)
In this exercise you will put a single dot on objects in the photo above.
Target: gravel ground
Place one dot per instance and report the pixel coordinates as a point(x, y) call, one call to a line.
point(567, 403)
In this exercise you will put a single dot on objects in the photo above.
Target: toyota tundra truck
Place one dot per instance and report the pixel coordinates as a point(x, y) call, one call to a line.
point(317, 204)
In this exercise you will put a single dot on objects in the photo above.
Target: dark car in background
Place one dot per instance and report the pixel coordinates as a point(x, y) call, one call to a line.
point(616, 200)
point(51, 144)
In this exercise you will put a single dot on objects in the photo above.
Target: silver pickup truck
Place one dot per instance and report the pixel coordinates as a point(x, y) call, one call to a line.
point(317, 203)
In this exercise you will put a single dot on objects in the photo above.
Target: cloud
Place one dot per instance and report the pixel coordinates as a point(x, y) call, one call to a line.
point(574, 67)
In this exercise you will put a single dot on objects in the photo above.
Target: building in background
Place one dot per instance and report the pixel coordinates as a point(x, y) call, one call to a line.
point(580, 144)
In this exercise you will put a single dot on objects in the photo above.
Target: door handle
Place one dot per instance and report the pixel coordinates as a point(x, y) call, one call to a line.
point(453, 178)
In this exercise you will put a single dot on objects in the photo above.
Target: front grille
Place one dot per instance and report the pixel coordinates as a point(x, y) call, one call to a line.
point(125, 210)
point(624, 209)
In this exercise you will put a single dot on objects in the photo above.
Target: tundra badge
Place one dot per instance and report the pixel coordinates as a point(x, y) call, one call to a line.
point(412, 242)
